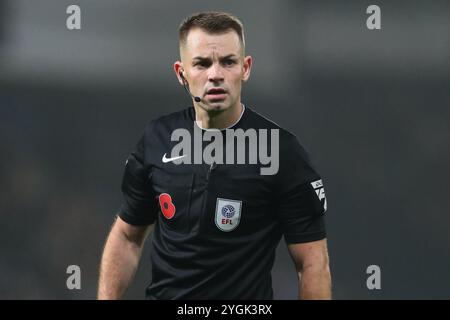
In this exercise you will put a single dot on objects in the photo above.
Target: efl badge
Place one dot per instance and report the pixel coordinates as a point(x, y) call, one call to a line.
point(320, 191)
point(228, 214)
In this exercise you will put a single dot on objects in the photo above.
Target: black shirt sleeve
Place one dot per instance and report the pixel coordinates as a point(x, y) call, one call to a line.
point(139, 205)
point(301, 195)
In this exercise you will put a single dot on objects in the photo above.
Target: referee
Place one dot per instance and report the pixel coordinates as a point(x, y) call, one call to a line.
point(216, 223)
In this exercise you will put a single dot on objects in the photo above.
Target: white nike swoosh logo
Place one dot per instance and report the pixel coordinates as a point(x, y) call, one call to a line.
point(165, 160)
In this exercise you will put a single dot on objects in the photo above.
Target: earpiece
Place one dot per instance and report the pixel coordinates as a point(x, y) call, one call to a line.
point(186, 86)
point(181, 74)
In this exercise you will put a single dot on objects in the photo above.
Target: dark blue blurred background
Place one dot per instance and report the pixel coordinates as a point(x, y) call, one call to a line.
point(371, 107)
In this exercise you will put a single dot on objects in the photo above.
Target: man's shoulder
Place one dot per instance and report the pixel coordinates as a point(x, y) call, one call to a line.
point(259, 121)
point(176, 119)
point(290, 146)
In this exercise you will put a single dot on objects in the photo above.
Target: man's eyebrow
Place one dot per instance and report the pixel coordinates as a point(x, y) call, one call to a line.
point(200, 58)
point(221, 58)
point(229, 56)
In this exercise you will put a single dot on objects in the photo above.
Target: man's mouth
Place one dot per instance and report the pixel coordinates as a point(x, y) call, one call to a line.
point(216, 93)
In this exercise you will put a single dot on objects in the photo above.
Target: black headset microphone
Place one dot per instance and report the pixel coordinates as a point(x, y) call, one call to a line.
point(186, 87)
point(197, 99)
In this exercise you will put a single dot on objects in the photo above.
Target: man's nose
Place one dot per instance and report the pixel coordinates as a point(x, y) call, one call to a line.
point(215, 73)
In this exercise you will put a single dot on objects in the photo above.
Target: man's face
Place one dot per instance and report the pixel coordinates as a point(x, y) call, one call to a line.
point(214, 67)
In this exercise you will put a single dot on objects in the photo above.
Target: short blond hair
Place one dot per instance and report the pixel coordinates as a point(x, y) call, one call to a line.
point(212, 22)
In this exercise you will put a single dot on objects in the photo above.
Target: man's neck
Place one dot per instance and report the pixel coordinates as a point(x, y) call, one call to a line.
point(218, 120)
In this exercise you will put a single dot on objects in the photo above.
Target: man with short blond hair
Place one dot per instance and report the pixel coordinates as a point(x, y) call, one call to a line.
point(217, 212)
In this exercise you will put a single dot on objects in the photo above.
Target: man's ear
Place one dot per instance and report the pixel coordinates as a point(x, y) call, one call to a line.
point(178, 68)
point(248, 60)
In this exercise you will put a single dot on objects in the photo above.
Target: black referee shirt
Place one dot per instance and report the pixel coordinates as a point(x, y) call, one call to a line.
point(218, 225)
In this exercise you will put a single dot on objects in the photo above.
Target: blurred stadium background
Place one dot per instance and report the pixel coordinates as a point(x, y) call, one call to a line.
point(372, 108)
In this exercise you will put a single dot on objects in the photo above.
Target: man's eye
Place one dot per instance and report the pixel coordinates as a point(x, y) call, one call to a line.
point(201, 64)
point(229, 62)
